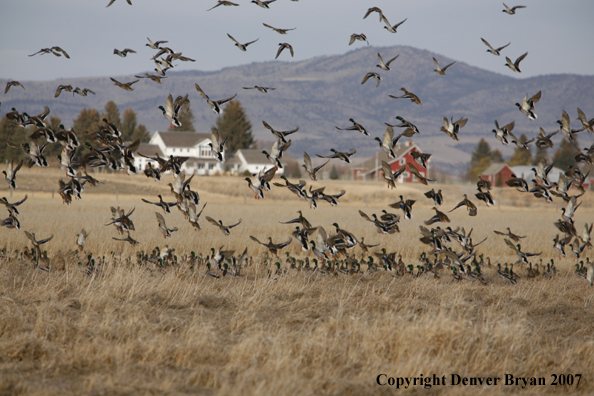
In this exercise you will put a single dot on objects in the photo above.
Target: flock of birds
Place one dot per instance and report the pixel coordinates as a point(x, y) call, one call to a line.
point(332, 252)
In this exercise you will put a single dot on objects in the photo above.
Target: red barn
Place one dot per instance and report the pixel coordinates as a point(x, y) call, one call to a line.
point(372, 168)
point(497, 174)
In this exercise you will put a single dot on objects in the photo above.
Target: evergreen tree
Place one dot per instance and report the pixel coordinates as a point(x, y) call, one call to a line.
point(496, 156)
point(141, 133)
point(128, 124)
point(9, 132)
point(87, 121)
point(481, 159)
point(541, 154)
point(520, 155)
point(564, 157)
point(235, 126)
point(334, 173)
point(112, 113)
point(186, 117)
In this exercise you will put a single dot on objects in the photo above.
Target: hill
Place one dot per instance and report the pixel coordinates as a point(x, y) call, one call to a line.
point(323, 92)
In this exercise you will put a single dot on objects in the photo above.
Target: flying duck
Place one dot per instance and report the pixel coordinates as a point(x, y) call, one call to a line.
point(123, 53)
point(279, 31)
point(441, 70)
point(242, 47)
point(355, 127)
point(494, 51)
point(215, 105)
point(527, 106)
point(226, 230)
point(385, 65)
point(309, 168)
point(511, 11)
point(515, 66)
point(223, 3)
point(126, 86)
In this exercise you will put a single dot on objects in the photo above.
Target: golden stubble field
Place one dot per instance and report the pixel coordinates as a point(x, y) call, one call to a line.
point(136, 330)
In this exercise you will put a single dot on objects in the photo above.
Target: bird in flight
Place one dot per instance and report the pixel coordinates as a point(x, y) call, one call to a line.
point(494, 51)
point(123, 53)
point(242, 47)
point(113, 1)
point(223, 3)
point(126, 86)
point(215, 105)
point(515, 66)
point(511, 11)
point(279, 31)
point(441, 70)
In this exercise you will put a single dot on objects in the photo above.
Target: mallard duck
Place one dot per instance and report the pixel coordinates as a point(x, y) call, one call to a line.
point(408, 95)
point(590, 273)
point(121, 220)
point(405, 206)
point(518, 182)
point(33, 151)
point(360, 37)
point(472, 210)
point(215, 105)
point(193, 217)
point(279, 134)
point(435, 196)
point(123, 53)
point(223, 3)
point(349, 239)
point(171, 110)
point(452, 128)
point(44, 51)
point(273, 247)
point(385, 65)
point(12, 207)
point(296, 189)
point(438, 217)
point(411, 129)
point(522, 256)
point(217, 145)
point(382, 227)
point(299, 220)
point(263, 4)
point(261, 89)
point(242, 47)
point(279, 31)
point(494, 51)
point(510, 235)
point(163, 226)
point(527, 106)
point(12, 84)
point(511, 11)
point(128, 239)
point(309, 168)
point(523, 144)
point(112, 1)
point(341, 155)
point(156, 44)
point(37, 243)
point(125, 86)
point(486, 197)
point(389, 176)
point(81, 239)
point(543, 140)
point(586, 124)
point(276, 152)
point(375, 9)
point(152, 77)
point(388, 143)
point(162, 204)
point(565, 126)
point(257, 189)
point(11, 222)
point(392, 28)
point(515, 66)
point(420, 178)
point(67, 88)
point(332, 199)
point(226, 230)
point(282, 47)
point(355, 127)
point(10, 174)
point(82, 92)
point(375, 75)
point(420, 158)
point(441, 70)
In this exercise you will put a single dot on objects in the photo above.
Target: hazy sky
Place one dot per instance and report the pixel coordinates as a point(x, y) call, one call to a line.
point(556, 34)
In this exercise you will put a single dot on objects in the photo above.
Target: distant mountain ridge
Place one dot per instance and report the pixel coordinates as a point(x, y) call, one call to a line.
point(323, 92)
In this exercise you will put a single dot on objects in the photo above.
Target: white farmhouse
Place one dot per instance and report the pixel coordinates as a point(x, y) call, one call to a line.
point(181, 144)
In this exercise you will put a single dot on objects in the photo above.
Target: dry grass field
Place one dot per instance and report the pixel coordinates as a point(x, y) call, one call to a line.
point(129, 329)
